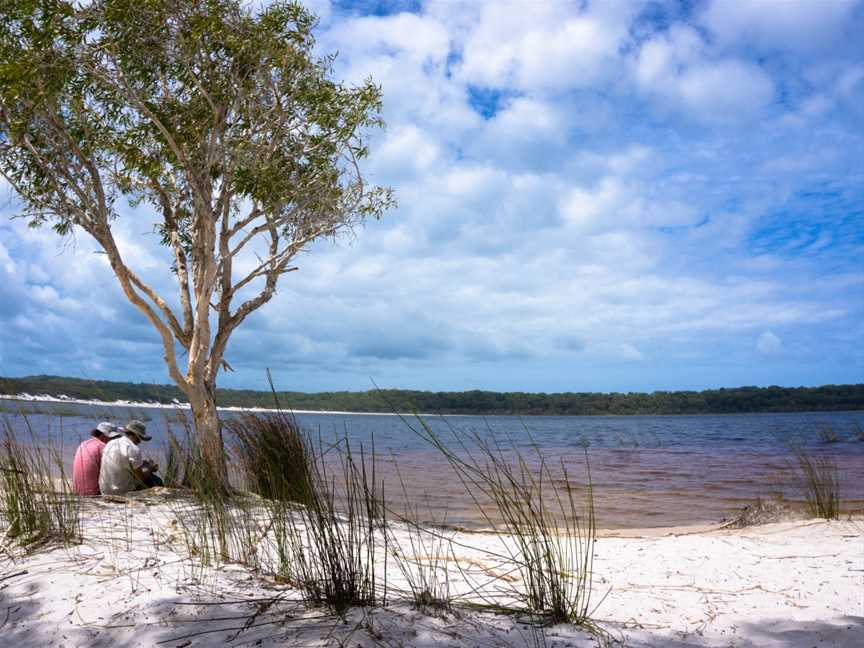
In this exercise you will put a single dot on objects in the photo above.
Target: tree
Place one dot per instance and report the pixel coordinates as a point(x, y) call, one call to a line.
point(222, 121)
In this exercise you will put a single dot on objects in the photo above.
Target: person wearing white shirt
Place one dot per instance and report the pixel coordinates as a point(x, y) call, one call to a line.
point(124, 468)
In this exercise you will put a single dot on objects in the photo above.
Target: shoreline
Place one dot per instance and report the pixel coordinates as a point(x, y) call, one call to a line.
point(669, 530)
point(46, 398)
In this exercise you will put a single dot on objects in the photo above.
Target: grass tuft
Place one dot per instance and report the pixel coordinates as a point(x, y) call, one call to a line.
point(327, 545)
point(819, 479)
point(273, 456)
point(827, 434)
point(173, 462)
point(552, 539)
point(421, 554)
point(219, 525)
point(37, 504)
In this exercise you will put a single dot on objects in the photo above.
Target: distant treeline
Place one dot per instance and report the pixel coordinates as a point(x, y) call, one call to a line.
point(712, 401)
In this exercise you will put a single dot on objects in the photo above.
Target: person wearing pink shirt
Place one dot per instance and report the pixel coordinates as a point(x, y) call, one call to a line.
point(88, 460)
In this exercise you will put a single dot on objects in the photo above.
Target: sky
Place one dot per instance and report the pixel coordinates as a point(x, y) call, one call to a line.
point(593, 196)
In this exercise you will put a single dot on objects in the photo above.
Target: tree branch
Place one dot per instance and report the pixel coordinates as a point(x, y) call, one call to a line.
point(103, 235)
point(169, 218)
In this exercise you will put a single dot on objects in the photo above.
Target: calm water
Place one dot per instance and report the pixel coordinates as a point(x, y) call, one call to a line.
point(646, 470)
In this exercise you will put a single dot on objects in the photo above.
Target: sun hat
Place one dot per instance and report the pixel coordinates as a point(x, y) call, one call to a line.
point(138, 429)
point(106, 428)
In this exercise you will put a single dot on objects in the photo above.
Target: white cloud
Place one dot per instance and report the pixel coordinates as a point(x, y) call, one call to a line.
point(406, 54)
point(418, 38)
point(527, 118)
point(473, 181)
point(543, 46)
point(6, 261)
point(614, 351)
point(717, 88)
point(628, 160)
point(677, 68)
point(406, 150)
point(768, 343)
point(778, 24)
point(835, 86)
point(850, 79)
point(526, 133)
point(619, 204)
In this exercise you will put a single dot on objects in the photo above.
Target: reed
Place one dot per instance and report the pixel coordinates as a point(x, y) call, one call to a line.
point(314, 525)
point(327, 546)
point(219, 525)
point(819, 479)
point(551, 543)
point(37, 504)
point(827, 434)
point(172, 462)
point(421, 554)
point(273, 456)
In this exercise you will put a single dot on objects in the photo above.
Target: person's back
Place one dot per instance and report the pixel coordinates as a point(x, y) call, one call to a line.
point(88, 460)
point(119, 459)
point(85, 467)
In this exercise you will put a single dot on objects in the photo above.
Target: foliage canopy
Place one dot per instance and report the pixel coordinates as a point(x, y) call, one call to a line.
point(223, 122)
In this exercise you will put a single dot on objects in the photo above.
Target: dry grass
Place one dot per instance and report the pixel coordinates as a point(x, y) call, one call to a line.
point(421, 555)
point(818, 477)
point(551, 545)
point(37, 504)
point(273, 456)
point(327, 545)
point(827, 434)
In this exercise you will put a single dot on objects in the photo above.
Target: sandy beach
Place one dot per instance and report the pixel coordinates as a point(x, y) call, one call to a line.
point(132, 582)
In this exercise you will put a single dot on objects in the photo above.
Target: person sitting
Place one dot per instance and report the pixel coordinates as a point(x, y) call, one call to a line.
point(124, 469)
point(88, 459)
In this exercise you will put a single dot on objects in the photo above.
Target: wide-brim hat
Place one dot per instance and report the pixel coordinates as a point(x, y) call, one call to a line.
point(106, 428)
point(138, 429)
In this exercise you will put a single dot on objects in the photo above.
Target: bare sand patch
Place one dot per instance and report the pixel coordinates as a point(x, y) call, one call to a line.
point(132, 582)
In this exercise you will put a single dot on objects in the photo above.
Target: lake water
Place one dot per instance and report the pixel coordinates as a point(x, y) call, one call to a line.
point(646, 471)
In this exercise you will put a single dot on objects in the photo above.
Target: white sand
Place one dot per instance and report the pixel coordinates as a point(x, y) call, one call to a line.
point(132, 583)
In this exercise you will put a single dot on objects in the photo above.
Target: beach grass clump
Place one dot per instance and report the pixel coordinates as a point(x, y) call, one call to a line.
point(219, 525)
point(549, 537)
point(316, 523)
point(219, 531)
point(820, 481)
point(273, 456)
point(827, 434)
point(421, 553)
point(326, 546)
point(37, 504)
point(172, 462)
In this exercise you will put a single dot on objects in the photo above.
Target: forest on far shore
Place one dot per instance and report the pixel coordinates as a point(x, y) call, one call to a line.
point(711, 401)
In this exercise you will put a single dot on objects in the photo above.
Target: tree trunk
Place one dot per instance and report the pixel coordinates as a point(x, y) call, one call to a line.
point(208, 430)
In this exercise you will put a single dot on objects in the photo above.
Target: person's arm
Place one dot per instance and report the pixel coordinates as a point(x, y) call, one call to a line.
point(148, 468)
point(136, 463)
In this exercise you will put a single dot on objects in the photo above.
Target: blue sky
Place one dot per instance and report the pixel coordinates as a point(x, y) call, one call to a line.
point(615, 196)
